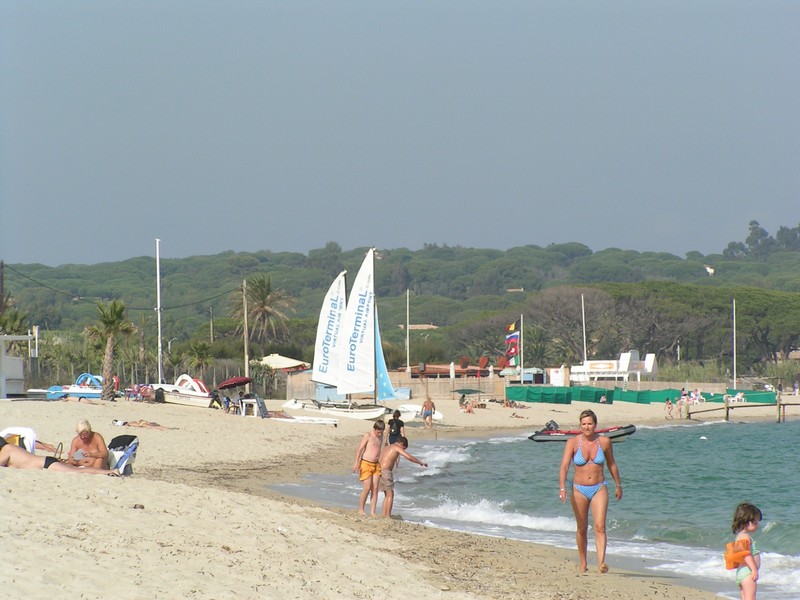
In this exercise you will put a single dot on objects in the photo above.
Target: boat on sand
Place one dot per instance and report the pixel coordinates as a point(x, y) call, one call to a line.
point(85, 386)
point(415, 412)
point(186, 391)
point(350, 410)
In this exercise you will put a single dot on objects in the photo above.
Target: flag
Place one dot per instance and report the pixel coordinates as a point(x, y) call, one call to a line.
point(512, 343)
point(512, 349)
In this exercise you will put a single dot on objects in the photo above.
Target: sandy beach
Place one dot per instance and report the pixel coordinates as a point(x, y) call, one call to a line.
point(196, 519)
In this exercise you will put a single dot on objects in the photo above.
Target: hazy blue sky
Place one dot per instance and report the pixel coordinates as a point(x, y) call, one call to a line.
point(233, 125)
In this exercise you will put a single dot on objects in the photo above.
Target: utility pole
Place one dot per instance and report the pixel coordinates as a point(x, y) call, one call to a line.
point(2, 290)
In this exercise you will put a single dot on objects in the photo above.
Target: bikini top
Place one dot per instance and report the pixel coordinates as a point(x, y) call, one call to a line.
point(579, 460)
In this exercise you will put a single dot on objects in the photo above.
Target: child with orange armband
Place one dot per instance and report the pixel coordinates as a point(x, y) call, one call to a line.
point(742, 554)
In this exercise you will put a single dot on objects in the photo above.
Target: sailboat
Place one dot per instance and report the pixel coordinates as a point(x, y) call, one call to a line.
point(348, 354)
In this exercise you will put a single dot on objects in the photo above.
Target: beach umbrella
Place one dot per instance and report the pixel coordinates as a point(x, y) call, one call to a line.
point(234, 382)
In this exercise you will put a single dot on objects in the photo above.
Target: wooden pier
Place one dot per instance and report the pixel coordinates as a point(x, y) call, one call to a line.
point(730, 404)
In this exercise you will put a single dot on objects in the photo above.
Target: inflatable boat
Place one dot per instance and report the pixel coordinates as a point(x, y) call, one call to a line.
point(551, 433)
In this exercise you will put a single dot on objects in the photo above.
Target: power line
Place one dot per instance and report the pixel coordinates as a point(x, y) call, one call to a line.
point(73, 297)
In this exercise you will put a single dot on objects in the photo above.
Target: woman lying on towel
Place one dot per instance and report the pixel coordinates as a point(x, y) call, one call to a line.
point(140, 423)
point(19, 458)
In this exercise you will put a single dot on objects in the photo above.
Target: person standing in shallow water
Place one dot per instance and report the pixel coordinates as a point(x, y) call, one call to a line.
point(367, 465)
point(397, 428)
point(589, 453)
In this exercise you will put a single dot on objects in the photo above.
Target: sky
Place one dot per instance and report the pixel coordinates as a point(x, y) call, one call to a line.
point(661, 126)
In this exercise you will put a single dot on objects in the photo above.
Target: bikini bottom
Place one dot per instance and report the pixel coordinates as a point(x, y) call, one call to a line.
point(589, 490)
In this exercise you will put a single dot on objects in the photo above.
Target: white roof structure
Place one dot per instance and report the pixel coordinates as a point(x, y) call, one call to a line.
point(278, 362)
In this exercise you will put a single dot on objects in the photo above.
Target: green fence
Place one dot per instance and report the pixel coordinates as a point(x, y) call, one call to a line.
point(532, 393)
point(646, 396)
point(592, 394)
point(565, 395)
point(756, 396)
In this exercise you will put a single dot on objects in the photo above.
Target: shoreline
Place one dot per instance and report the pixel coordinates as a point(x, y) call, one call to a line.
point(210, 527)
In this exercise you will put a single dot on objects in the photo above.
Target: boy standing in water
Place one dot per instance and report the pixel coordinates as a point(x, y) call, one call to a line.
point(389, 457)
point(367, 464)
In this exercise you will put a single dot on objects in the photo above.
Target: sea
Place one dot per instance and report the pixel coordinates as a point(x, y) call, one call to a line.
point(681, 481)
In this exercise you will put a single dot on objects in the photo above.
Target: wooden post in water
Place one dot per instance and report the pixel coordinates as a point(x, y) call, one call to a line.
point(727, 399)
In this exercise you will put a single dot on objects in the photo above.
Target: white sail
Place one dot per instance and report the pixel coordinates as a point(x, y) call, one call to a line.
point(357, 366)
point(327, 351)
point(385, 390)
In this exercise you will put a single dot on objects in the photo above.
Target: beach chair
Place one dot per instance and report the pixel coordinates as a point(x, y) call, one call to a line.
point(122, 453)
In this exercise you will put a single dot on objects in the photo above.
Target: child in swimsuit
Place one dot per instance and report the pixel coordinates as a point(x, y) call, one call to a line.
point(742, 554)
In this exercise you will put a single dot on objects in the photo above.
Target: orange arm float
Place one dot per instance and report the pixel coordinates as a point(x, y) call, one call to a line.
point(735, 553)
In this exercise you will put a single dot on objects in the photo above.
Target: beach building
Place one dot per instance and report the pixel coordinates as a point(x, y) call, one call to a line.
point(628, 367)
point(12, 368)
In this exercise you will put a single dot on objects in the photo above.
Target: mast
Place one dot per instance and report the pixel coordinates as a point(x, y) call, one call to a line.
point(246, 335)
point(408, 338)
point(734, 343)
point(158, 311)
point(583, 321)
point(375, 336)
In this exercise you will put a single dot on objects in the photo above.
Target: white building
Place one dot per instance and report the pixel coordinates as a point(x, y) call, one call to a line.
point(628, 367)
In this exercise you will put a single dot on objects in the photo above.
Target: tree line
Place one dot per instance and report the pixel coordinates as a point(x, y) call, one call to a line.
point(678, 308)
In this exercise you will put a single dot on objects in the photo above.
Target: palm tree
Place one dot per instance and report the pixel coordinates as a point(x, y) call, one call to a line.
point(200, 356)
point(112, 324)
point(266, 309)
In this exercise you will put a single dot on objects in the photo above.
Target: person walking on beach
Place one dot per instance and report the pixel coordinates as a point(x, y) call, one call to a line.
point(668, 409)
point(389, 457)
point(367, 465)
point(590, 454)
point(742, 554)
point(397, 428)
point(428, 408)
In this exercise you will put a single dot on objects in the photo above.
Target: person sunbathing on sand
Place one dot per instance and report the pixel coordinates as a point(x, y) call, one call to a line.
point(19, 458)
point(67, 398)
point(140, 423)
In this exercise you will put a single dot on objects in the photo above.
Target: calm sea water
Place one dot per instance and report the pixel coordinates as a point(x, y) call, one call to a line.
point(682, 483)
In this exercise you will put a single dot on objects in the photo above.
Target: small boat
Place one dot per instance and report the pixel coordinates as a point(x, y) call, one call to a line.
point(85, 386)
point(367, 412)
point(186, 391)
point(551, 433)
point(415, 410)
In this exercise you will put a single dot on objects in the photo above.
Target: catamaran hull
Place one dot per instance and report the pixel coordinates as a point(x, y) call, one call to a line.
point(415, 410)
point(364, 412)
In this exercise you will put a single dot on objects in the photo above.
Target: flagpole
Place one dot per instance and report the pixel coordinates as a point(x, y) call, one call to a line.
point(158, 310)
point(521, 349)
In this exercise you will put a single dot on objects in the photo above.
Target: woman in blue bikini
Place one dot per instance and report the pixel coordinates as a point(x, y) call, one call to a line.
point(589, 453)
